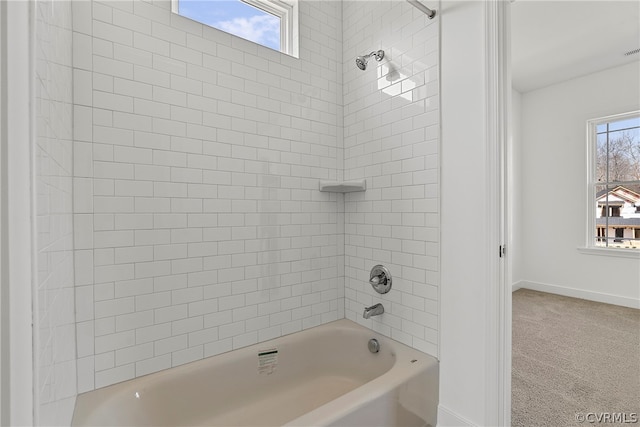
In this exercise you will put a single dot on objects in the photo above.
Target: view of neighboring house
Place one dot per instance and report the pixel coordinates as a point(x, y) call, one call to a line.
point(618, 217)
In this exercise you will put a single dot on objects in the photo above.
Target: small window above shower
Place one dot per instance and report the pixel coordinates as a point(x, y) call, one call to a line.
point(270, 23)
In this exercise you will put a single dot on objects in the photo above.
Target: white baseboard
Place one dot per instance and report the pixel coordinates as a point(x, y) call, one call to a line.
point(578, 293)
point(517, 285)
point(448, 418)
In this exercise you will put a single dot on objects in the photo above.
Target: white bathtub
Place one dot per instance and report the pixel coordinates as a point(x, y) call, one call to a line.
point(325, 376)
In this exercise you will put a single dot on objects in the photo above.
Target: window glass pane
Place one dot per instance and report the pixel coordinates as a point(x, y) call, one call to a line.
point(617, 222)
point(601, 158)
point(633, 122)
point(603, 211)
point(624, 155)
point(235, 17)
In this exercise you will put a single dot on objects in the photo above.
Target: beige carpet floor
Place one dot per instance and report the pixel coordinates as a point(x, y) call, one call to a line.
point(572, 356)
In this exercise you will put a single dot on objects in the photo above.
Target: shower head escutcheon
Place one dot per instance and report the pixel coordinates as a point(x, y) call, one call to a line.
point(361, 61)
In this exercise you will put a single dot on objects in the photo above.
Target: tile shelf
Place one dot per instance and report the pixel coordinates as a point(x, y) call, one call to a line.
point(343, 186)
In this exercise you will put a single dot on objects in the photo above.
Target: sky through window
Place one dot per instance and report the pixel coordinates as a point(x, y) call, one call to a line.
point(235, 17)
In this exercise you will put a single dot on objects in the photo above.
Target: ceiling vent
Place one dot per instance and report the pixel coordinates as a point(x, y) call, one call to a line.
point(632, 52)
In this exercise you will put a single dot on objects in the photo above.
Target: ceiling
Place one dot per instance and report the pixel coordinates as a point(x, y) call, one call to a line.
point(554, 41)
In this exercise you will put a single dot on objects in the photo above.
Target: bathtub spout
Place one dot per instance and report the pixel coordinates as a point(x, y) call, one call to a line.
point(374, 310)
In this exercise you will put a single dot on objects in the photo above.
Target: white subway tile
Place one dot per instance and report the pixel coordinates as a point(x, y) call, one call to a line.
point(83, 267)
point(82, 94)
point(102, 291)
point(133, 22)
point(167, 33)
point(181, 296)
point(110, 273)
point(110, 135)
point(81, 17)
point(168, 314)
point(133, 254)
point(86, 370)
point(153, 333)
point(244, 340)
point(152, 237)
point(186, 326)
point(152, 269)
point(113, 33)
point(155, 300)
point(129, 120)
point(169, 345)
point(144, 107)
point(206, 306)
point(190, 86)
point(82, 195)
point(114, 341)
point(108, 239)
point(169, 158)
point(133, 221)
point(104, 326)
point(83, 231)
point(188, 355)
point(218, 347)
point(154, 364)
point(152, 173)
point(134, 354)
point(113, 170)
point(133, 188)
point(83, 131)
point(113, 307)
point(129, 288)
point(218, 319)
point(104, 361)
point(115, 375)
point(151, 76)
point(113, 204)
point(102, 48)
point(110, 101)
point(152, 204)
point(169, 252)
point(84, 339)
point(186, 265)
point(167, 283)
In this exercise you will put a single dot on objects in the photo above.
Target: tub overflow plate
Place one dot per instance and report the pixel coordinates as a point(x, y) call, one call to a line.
point(374, 345)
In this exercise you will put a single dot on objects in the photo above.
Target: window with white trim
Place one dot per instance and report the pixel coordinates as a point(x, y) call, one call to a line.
point(614, 182)
point(271, 23)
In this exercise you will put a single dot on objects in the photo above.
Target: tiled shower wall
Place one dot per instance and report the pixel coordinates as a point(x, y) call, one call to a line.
point(199, 227)
point(54, 332)
point(391, 125)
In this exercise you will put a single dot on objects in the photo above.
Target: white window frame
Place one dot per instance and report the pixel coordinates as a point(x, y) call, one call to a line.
point(590, 246)
point(285, 10)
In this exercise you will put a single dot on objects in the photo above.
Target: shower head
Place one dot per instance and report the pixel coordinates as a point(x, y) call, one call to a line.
point(361, 61)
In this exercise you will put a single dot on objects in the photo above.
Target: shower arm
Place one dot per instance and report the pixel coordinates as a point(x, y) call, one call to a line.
point(429, 12)
point(378, 54)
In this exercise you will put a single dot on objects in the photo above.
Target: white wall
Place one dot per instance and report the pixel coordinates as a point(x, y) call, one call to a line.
point(16, 327)
point(515, 185)
point(198, 221)
point(54, 318)
point(391, 138)
point(464, 224)
point(554, 187)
